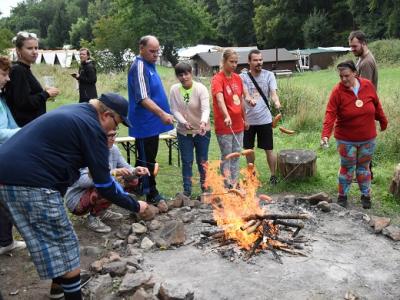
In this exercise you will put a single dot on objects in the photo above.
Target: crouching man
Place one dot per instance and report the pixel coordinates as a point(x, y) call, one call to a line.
point(40, 162)
point(83, 198)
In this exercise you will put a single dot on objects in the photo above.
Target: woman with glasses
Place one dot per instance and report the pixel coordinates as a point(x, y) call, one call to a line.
point(25, 96)
point(351, 112)
point(190, 105)
point(229, 116)
point(82, 197)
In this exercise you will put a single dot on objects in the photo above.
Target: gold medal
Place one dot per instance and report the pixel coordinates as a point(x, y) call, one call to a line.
point(359, 103)
point(236, 99)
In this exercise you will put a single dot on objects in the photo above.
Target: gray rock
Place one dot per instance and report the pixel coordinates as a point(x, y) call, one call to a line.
point(116, 268)
point(135, 252)
point(324, 206)
point(187, 217)
point(138, 228)
point(97, 265)
point(141, 294)
point(132, 282)
point(174, 214)
point(132, 261)
point(179, 200)
point(173, 232)
point(337, 207)
point(155, 224)
point(194, 203)
point(393, 232)
point(131, 269)
point(123, 231)
point(168, 291)
point(132, 239)
point(146, 243)
point(290, 199)
point(91, 251)
point(118, 244)
point(161, 243)
point(185, 209)
point(99, 286)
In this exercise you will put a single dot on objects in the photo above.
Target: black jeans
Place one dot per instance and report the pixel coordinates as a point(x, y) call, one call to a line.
point(147, 149)
point(6, 224)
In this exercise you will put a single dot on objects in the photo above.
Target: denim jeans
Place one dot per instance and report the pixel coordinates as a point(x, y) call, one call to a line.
point(188, 143)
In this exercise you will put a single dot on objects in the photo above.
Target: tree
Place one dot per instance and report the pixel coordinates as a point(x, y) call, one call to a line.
point(235, 22)
point(317, 30)
point(5, 40)
point(176, 23)
point(80, 30)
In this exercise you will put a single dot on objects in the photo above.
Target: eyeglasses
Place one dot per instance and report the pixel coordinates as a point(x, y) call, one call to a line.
point(112, 135)
point(158, 51)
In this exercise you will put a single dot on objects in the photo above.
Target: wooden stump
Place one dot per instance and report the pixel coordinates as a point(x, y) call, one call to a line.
point(395, 184)
point(297, 163)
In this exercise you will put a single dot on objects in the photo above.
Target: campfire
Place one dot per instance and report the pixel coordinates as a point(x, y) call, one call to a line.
point(243, 216)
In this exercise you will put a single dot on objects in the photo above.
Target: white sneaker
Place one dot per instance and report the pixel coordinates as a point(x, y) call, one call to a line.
point(95, 224)
point(111, 215)
point(14, 245)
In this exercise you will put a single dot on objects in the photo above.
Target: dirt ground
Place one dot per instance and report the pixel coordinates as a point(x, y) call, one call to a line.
point(343, 257)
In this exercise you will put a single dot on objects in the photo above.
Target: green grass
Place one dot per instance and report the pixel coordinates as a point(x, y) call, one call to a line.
point(303, 97)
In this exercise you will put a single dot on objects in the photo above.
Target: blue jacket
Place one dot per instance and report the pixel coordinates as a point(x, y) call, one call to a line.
point(8, 127)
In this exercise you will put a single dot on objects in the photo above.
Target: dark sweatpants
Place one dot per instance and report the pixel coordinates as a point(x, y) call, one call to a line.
point(146, 149)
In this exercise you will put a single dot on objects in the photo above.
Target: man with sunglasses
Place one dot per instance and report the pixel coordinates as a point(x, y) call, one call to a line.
point(40, 162)
point(148, 106)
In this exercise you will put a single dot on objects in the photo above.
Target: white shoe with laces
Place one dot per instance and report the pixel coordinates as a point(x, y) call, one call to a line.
point(111, 215)
point(15, 245)
point(95, 224)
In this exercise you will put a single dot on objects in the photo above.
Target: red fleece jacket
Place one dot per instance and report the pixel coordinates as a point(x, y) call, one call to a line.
point(352, 123)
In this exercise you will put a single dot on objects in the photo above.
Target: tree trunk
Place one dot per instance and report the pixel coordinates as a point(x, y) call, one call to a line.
point(395, 184)
point(297, 163)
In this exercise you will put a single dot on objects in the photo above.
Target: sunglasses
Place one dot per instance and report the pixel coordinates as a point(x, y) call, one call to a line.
point(27, 35)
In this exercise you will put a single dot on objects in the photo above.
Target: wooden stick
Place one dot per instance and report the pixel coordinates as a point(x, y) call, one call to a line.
point(292, 251)
point(211, 222)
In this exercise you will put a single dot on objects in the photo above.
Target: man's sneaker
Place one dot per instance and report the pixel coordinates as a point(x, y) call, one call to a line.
point(95, 224)
point(366, 201)
point(111, 215)
point(273, 180)
point(342, 201)
point(15, 245)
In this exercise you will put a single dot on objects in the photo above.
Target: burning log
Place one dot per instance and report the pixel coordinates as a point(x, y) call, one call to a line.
point(247, 225)
point(277, 217)
point(211, 222)
point(237, 192)
point(253, 228)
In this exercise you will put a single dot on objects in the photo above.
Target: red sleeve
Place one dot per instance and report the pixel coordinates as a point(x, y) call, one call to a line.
point(217, 85)
point(331, 113)
point(380, 115)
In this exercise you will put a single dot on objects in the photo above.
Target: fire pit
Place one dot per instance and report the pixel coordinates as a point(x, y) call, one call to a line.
point(244, 217)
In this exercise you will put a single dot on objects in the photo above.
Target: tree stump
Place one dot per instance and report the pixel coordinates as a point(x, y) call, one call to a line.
point(395, 184)
point(297, 163)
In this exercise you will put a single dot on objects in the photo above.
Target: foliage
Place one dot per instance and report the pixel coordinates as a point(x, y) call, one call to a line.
point(5, 40)
point(317, 30)
point(235, 22)
point(80, 30)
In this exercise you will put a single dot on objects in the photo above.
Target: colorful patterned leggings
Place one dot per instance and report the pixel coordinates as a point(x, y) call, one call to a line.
point(355, 157)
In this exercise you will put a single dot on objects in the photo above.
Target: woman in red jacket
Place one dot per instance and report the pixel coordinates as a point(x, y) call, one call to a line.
point(352, 109)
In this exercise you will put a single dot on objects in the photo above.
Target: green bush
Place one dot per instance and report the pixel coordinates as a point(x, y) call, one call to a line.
point(386, 51)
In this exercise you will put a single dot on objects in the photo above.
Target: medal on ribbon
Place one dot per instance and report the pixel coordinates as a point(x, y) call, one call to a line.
point(359, 103)
point(236, 99)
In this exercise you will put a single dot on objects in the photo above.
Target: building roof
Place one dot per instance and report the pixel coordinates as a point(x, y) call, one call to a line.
point(320, 50)
point(269, 55)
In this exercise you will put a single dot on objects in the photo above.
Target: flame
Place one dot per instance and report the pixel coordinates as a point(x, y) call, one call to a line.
point(230, 207)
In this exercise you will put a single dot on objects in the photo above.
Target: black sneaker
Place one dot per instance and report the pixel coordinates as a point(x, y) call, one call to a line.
point(273, 180)
point(342, 201)
point(56, 292)
point(155, 199)
point(366, 201)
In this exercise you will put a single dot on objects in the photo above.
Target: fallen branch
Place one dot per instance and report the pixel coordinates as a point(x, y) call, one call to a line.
point(277, 217)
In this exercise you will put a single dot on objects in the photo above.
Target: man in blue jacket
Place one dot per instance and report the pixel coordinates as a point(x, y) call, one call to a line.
point(41, 161)
point(149, 108)
point(8, 128)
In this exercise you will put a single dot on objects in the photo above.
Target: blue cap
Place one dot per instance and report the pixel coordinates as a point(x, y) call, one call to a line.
point(118, 104)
